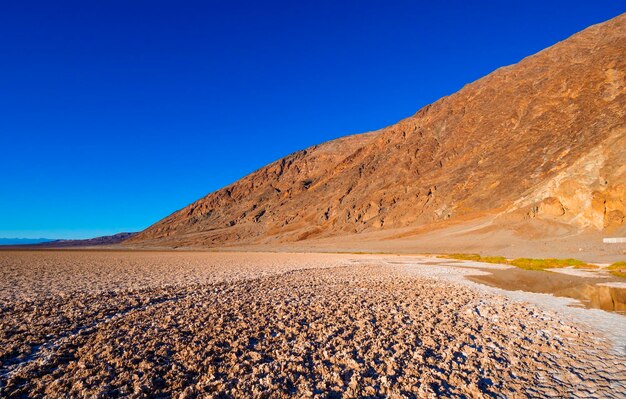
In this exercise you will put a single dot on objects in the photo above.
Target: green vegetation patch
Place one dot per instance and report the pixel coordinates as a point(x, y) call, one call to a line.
point(617, 266)
point(494, 259)
point(542, 264)
point(525, 263)
point(476, 258)
point(618, 269)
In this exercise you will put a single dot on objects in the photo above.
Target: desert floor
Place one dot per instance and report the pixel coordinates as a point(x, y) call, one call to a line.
point(199, 324)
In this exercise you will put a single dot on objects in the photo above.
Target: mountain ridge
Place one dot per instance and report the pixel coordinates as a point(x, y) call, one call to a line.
point(113, 239)
point(505, 145)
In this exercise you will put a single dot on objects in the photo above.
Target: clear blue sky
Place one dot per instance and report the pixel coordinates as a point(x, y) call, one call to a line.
point(114, 114)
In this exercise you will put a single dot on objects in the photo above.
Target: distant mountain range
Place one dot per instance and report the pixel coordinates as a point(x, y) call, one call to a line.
point(49, 243)
point(23, 241)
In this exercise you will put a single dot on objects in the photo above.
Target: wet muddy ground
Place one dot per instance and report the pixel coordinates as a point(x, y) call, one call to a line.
point(592, 292)
point(187, 325)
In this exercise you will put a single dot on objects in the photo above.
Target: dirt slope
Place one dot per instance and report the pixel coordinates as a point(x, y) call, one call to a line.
point(538, 147)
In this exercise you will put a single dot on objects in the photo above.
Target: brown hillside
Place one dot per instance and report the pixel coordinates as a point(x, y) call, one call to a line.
point(541, 144)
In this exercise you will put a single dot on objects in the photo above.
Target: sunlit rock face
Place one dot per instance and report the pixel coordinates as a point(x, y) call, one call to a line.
point(541, 141)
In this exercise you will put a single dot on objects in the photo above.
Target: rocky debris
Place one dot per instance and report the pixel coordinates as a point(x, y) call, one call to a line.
point(552, 207)
point(189, 325)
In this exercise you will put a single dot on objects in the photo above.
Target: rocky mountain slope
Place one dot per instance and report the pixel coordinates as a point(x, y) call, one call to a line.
point(540, 145)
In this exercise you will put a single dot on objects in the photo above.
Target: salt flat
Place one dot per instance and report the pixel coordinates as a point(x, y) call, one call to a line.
point(201, 324)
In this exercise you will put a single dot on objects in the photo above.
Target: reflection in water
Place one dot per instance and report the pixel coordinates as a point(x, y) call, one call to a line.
point(584, 289)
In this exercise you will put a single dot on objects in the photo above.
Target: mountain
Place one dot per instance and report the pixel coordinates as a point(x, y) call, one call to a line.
point(22, 241)
point(104, 240)
point(536, 150)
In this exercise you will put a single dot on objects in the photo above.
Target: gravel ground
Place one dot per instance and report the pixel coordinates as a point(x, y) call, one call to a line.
point(185, 325)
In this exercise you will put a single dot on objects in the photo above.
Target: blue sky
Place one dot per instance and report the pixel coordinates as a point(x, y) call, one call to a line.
point(114, 114)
